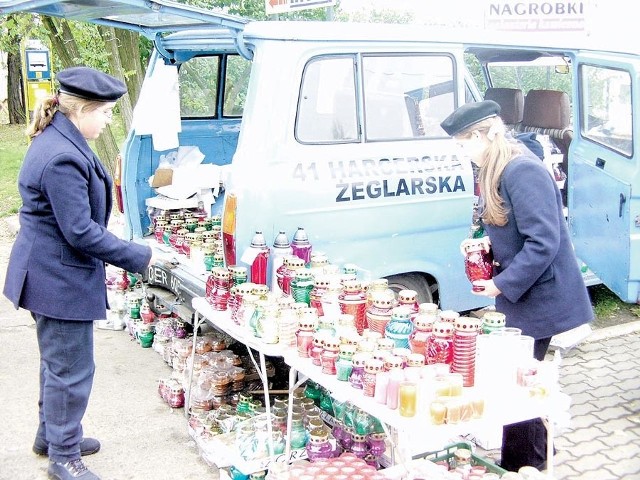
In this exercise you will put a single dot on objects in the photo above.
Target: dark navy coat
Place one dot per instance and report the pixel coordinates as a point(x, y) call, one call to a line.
point(57, 264)
point(543, 292)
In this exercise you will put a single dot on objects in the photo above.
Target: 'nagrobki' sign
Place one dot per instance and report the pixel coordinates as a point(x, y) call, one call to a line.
point(535, 15)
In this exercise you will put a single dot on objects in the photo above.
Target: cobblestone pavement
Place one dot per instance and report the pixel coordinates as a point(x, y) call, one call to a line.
point(603, 438)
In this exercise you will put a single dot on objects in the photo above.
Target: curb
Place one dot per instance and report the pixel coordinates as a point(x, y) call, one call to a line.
point(613, 331)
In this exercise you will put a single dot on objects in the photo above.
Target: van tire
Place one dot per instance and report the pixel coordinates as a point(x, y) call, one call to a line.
point(413, 281)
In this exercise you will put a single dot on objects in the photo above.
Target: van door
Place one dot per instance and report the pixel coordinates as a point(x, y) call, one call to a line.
point(604, 207)
point(150, 18)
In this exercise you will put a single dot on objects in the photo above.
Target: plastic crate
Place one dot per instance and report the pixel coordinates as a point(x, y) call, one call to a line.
point(446, 455)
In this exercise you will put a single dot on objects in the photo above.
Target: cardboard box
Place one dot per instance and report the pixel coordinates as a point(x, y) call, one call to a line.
point(162, 177)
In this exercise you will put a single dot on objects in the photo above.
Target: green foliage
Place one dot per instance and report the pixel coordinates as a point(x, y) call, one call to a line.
point(199, 86)
point(146, 47)
point(90, 45)
point(524, 77)
point(236, 85)
point(19, 26)
point(255, 9)
point(475, 69)
point(531, 77)
point(13, 145)
point(605, 302)
point(376, 16)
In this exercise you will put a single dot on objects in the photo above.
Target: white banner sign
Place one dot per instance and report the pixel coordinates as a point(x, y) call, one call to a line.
point(287, 6)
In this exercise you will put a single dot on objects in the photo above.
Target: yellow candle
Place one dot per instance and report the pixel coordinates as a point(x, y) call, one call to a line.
point(407, 395)
point(477, 404)
point(455, 384)
point(442, 386)
point(454, 412)
point(438, 413)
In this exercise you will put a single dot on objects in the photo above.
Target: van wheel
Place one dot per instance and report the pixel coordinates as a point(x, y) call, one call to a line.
point(412, 281)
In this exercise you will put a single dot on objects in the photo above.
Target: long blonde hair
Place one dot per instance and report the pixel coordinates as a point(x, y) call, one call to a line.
point(498, 154)
point(47, 106)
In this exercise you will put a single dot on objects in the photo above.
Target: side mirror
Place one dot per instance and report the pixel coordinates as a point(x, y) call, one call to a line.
point(562, 69)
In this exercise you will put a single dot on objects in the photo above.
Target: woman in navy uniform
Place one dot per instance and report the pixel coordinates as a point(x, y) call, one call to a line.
point(57, 264)
point(537, 283)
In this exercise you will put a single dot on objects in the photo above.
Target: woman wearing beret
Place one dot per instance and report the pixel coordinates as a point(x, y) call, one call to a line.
point(537, 283)
point(57, 264)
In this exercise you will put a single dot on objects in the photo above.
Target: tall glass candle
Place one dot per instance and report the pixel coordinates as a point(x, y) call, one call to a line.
point(395, 377)
point(407, 398)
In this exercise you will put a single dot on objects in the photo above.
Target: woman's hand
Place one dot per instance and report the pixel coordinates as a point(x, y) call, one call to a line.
point(489, 288)
point(486, 242)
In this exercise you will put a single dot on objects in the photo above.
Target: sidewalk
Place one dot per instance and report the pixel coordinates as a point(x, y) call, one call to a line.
point(601, 376)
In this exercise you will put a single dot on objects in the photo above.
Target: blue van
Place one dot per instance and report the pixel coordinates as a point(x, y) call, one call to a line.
point(336, 128)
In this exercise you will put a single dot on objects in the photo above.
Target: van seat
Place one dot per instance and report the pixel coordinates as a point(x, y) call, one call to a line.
point(548, 112)
point(547, 109)
point(511, 101)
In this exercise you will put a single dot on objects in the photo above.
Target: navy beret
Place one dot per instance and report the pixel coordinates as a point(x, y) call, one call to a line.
point(90, 84)
point(469, 114)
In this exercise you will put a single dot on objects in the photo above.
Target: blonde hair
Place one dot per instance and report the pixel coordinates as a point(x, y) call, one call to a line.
point(497, 155)
point(47, 106)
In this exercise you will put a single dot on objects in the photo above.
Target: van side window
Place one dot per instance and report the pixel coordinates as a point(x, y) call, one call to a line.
point(199, 87)
point(607, 116)
point(200, 84)
point(236, 83)
point(327, 110)
point(406, 96)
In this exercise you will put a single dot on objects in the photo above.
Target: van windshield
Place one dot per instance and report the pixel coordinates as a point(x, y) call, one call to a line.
point(544, 73)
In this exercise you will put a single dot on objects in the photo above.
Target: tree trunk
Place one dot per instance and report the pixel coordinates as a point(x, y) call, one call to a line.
point(62, 41)
point(15, 90)
point(107, 149)
point(129, 51)
point(124, 63)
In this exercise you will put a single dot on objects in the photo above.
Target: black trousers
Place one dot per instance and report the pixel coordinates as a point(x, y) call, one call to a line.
point(525, 443)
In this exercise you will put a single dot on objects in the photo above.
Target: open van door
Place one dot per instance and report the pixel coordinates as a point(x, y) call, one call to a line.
point(149, 18)
point(604, 173)
point(153, 19)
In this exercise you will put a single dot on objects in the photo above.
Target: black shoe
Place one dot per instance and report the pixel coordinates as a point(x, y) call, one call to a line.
point(70, 470)
point(88, 446)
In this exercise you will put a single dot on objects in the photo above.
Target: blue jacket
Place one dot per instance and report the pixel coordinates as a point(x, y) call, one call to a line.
point(543, 292)
point(57, 264)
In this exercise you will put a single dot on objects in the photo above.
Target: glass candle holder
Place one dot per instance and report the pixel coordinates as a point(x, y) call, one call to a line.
point(353, 301)
point(329, 355)
point(371, 369)
point(407, 398)
point(357, 372)
point(478, 263)
point(343, 369)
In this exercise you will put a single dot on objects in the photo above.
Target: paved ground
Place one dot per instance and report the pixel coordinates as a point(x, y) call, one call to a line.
point(601, 441)
point(144, 439)
point(601, 376)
